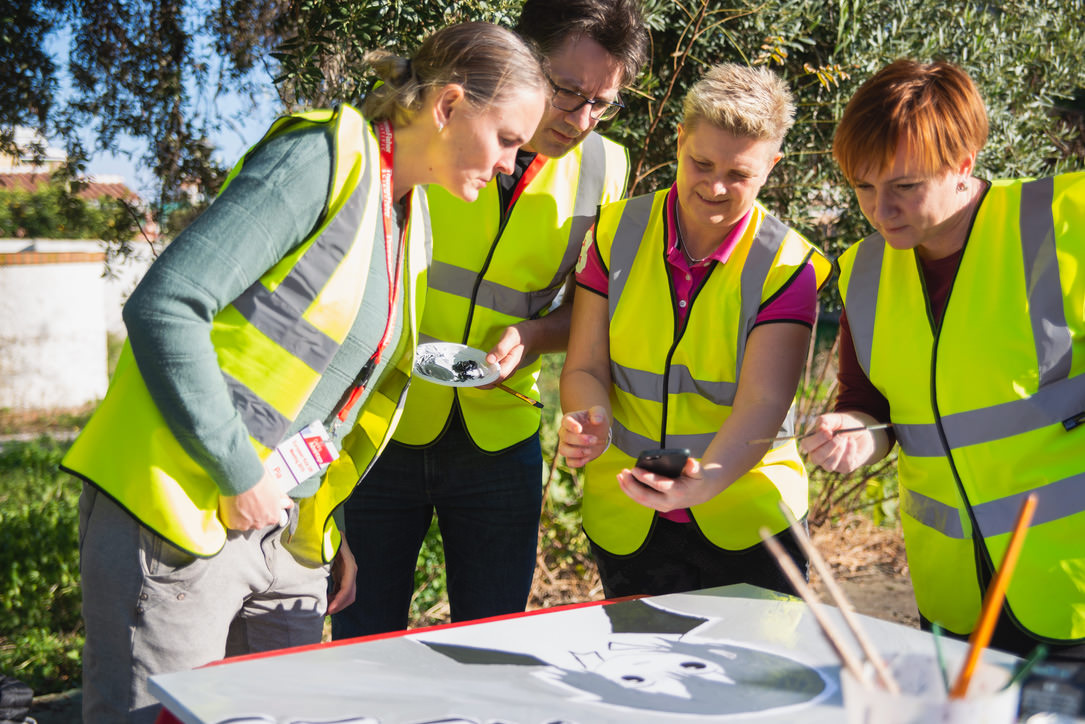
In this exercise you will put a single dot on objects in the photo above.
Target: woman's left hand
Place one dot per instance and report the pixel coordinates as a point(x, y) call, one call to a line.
point(344, 579)
point(667, 494)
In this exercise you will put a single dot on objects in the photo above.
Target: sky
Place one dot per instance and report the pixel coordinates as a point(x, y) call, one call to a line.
point(230, 142)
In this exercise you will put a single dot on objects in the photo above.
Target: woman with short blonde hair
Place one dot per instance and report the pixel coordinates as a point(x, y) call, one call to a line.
point(712, 370)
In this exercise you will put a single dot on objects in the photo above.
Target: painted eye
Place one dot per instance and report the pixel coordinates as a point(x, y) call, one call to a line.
point(633, 678)
point(693, 665)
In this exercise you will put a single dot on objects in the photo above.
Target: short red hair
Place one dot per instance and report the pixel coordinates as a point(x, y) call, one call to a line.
point(933, 108)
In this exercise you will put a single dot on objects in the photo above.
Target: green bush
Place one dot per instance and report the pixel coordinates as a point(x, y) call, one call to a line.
point(40, 625)
point(561, 539)
point(872, 490)
point(430, 603)
point(53, 212)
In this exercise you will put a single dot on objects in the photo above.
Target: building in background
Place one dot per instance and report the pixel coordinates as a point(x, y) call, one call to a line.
point(58, 305)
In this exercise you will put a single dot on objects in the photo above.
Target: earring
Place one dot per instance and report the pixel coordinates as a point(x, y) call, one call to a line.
point(962, 186)
point(440, 126)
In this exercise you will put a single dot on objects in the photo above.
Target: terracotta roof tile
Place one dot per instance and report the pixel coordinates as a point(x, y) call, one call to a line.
point(90, 191)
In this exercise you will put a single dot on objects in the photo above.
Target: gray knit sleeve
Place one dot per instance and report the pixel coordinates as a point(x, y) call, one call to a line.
point(266, 211)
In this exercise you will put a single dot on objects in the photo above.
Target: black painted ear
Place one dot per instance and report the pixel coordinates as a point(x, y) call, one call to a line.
point(639, 617)
point(484, 657)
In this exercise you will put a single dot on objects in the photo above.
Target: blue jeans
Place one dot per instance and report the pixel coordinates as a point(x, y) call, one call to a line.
point(487, 507)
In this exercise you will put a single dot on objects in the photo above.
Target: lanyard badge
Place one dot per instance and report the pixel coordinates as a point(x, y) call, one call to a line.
point(301, 456)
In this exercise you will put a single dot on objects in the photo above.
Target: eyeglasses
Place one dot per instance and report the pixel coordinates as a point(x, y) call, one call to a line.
point(570, 101)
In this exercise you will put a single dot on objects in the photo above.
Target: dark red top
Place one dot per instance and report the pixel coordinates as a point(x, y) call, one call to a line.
point(855, 391)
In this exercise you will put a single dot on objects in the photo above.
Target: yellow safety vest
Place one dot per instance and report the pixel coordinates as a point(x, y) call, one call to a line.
point(271, 363)
point(987, 405)
point(490, 271)
point(672, 388)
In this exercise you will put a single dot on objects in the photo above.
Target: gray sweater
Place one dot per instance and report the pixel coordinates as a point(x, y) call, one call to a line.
point(268, 209)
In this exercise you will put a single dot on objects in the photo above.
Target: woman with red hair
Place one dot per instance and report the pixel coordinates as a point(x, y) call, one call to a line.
point(964, 327)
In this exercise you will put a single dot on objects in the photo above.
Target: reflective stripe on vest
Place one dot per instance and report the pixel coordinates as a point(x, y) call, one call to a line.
point(490, 272)
point(262, 343)
point(650, 357)
point(996, 517)
point(522, 304)
point(273, 312)
point(1000, 418)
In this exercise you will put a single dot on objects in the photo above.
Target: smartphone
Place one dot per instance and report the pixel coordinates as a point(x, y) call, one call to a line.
point(667, 462)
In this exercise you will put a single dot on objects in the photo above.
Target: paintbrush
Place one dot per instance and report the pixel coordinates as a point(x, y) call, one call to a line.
point(842, 602)
point(514, 393)
point(879, 426)
point(936, 632)
point(792, 572)
point(1038, 654)
point(992, 600)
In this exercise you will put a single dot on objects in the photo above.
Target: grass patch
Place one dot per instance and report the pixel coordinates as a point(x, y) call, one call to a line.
point(40, 626)
point(43, 422)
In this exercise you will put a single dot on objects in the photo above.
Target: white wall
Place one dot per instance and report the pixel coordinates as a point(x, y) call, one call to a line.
point(54, 321)
point(52, 335)
point(125, 275)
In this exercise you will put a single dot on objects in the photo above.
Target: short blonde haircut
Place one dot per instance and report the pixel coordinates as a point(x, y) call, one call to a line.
point(933, 108)
point(744, 101)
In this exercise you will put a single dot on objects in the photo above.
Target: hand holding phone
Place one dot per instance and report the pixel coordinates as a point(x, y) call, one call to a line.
point(667, 462)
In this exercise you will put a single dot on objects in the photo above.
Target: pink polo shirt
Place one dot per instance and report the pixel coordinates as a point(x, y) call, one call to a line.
point(796, 302)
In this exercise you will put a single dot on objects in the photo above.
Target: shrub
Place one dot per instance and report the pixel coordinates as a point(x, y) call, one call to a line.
point(40, 625)
point(872, 490)
point(53, 212)
point(430, 603)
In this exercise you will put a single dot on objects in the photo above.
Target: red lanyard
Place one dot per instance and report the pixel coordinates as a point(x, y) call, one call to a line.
point(393, 257)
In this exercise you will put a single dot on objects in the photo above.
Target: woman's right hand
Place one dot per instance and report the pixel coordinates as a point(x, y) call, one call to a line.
point(844, 452)
point(584, 435)
point(258, 507)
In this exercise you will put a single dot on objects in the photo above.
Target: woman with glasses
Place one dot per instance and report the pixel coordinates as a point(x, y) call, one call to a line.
point(964, 328)
point(269, 349)
point(689, 331)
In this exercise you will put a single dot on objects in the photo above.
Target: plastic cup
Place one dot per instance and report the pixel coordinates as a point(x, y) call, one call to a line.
point(923, 698)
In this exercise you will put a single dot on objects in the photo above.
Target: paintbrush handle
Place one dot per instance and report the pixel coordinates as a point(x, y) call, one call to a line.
point(879, 426)
point(842, 602)
point(525, 398)
point(792, 572)
point(992, 601)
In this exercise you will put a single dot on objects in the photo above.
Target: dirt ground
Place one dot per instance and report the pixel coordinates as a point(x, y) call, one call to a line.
point(869, 565)
point(867, 562)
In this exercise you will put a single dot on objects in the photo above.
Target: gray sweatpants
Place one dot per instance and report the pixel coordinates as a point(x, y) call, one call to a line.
point(150, 608)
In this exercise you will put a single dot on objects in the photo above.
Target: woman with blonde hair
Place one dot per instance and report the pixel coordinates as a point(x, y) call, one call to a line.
point(712, 369)
point(964, 327)
point(270, 346)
